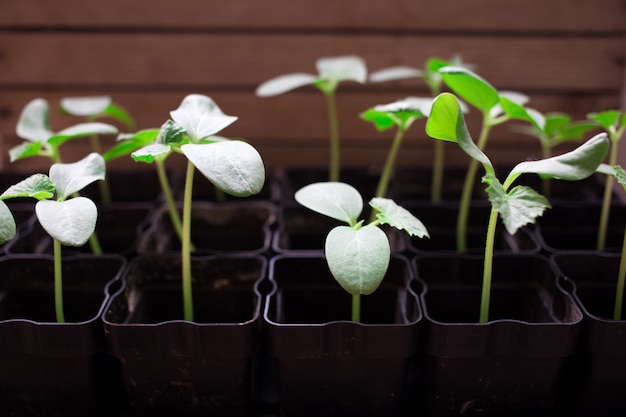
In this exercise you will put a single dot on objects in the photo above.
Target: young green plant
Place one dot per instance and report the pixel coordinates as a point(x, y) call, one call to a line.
point(39, 140)
point(331, 71)
point(557, 129)
point(432, 78)
point(520, 205)
point(127, 143)
point(69, 221)
point(233, 166)
point(358, 254)
point(92, 109)
point(496, 108)
point(614, 123)
point(401, 114)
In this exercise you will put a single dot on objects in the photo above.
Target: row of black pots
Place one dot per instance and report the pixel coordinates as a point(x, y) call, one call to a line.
point(273, 336)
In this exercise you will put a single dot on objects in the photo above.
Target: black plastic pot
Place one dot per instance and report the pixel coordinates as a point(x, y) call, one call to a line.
point(566, 228)
point(174, 367)
point(599, 373)
point(118, 229)
point(328, 365)
point(49, 368)
point(415, 184)
point(511, 366)
point(216, 228)
point(131, 186)
point(441, 221)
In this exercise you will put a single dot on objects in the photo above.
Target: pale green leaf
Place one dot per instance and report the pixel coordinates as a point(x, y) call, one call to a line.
point(169, 133)
point(284, 83)
point(606, 118)
point(85, 106)
point(342, 68)
point(71, 222)
point(7, 224)
point(571, 166)
point(470, 87)
point(151, 152)
point(396, 216)
point(517, 208)
point(358, 259)
point(333, 199)
point(38, 186)
point(24, 150)
point(519, 112)
point(200, 117)
point(234, 166)
point(70, 178)
point(82, 130)
point(395, 73)
point(620, 175)
point(33, 124)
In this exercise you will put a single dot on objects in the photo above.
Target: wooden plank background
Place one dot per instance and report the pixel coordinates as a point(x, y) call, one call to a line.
point(568, 55)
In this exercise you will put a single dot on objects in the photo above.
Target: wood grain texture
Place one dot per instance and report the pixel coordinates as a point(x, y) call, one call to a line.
point(552, 16)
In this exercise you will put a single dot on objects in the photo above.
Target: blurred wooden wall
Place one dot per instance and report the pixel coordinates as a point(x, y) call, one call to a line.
point(568, 55)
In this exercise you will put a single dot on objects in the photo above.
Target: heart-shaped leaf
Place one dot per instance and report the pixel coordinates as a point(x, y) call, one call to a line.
point(571, 166)
point(7, 224)
point(470, 87)
point(200, 117)
point(395, 73)
point(519, 207)
point(396, 216)
point(33, 124)
point(85, 106)
point(71, 222)
point(232, 166)
point(71, 178)
point(284, 83)
point(358, 259)
point(446, 122)
point(337, 200)
point(38, 186)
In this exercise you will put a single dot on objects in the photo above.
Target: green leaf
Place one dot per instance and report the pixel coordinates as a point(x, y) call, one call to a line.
point(555, 122)
point(400, 113)
point(85, 106)
point(517, 208)
point(517, 111)
point(235, 167)
point(576, 131)
point(145, 136)
point(396, 216)
point(73, 177)
point(71, 222)
point(81, 130)
point(200, 117)
point(24, 150)
point(620, 175)
point(571, 166)
point(342, 68)
point(606, 119)
point(470, 87)
point(284, 83)
point(358, 259)
point(121, 149)
point(395, 73)
point(118, 113)
point(151, 152)
point(170, 133)
point(446, 122)
point(337, 200)
point(33, 124)
point(38, 186)
point(7, 224)
point(381, 120)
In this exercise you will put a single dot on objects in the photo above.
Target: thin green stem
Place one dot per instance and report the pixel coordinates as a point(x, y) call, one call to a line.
point(619, 292)
point(468, 188)
point(385, 176)
point(335, 147)
point(546, 183)
point(488, 267)
point(103, 186)
point(186, 250)
point(169, 201)
point(94, 244)
point(606, 201)
point(58, 282)
point(356, 308)
point(437, 180)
